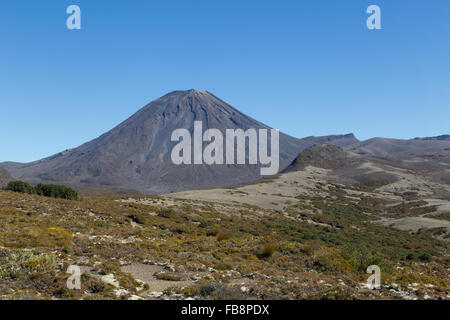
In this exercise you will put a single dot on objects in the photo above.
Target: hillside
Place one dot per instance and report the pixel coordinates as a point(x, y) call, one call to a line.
point(5, 177)
point(296, 236)
point(325, 156)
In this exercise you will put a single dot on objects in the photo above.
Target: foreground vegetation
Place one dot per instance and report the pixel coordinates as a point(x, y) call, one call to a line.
point(318, 248)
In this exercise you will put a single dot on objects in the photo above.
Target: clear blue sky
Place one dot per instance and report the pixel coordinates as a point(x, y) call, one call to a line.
point(305, 67)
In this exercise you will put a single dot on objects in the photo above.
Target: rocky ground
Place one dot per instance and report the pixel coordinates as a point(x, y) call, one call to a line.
point(297, 236)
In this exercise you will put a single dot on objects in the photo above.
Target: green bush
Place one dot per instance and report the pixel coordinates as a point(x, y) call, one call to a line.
point(20, 186)
point(422, 257)
point(56, 191)
point(46, 190)
point(425, 257)
point(167, 213)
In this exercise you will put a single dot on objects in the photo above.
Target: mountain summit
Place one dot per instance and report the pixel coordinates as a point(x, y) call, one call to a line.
point(135, 155)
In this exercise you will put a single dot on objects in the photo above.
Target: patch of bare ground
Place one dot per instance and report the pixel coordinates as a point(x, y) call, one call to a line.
point(153, 276)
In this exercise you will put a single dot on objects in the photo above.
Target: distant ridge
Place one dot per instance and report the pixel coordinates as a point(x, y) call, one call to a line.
point(444, 137)
point(401, 149)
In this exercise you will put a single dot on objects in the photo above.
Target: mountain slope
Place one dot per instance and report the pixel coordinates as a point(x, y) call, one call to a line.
point(345, 167)
point(5, 177)
point(324, 156)
point(135, 155)
point(397, 148)
point(428, 156)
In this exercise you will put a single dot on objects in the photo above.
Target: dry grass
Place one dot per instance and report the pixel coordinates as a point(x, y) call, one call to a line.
point(42, 236)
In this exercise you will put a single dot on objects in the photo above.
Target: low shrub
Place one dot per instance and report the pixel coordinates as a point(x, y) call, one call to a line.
point(425, 257)
point(46, 190)
point(267, 250)
point(219, 291)
point(222, 236)
point(168, 276)
point(20, 186)
point(56, 191)
point(167, 213)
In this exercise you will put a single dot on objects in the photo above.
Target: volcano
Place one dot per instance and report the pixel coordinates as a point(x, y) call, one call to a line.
point(136, 155)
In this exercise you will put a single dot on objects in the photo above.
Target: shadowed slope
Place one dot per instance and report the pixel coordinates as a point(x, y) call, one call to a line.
point(5, 177)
